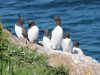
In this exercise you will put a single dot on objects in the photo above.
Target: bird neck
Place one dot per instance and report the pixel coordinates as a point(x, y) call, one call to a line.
point(58, 23)
point(77, 46)
point(31, 25)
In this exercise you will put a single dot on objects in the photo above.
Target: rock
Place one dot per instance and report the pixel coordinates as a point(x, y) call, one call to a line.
point(7, 31)
point(40, 49)
point(31, 46)
point(13, 39)
point(77, 65)
point(25, 43)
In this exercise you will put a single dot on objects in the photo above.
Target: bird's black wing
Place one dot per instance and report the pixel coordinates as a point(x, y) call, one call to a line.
point(24, 32)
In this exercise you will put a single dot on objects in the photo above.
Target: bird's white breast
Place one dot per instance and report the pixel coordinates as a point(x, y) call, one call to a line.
point(56, 38)
point(33, 33)
point(67, 45)
point(77, 51)
point(18, 31)
point(46, 42)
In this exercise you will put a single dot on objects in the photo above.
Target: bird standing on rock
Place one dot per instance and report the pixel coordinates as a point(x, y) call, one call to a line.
point(57, 34)
point(76, 49)
point(33, 31)
point(46, 40)
point(67, 44)
point(19, 28)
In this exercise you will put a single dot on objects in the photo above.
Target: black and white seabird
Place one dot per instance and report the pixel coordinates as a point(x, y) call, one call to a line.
point(67, 44)
point(46, 40)
point(76, 49)
point(57, 34)
point(19, 28)
point(33, 31)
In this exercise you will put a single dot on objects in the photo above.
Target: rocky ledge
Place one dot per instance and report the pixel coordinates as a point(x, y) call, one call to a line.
point(76, 64)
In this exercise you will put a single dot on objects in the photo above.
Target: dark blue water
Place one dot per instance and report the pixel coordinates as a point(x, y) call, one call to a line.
point(81, 18)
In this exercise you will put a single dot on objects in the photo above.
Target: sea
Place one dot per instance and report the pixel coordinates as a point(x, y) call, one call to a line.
point(81, 18)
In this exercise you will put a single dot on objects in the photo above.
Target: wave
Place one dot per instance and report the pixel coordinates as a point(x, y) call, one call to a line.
point(61, 1)
point(56, 3)
point(47, 2)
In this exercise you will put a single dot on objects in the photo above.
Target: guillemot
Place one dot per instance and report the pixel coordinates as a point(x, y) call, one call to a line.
point(57, 34)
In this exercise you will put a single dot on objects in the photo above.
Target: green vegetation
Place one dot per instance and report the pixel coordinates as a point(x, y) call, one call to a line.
point(18, 60)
